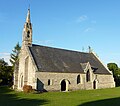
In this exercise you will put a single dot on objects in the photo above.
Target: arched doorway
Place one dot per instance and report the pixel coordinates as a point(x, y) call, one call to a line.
point(63, 85)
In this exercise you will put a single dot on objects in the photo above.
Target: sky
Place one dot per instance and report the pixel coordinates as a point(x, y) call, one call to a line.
point(67, 24)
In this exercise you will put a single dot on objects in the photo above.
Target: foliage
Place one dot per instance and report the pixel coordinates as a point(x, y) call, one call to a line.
point(102, 97)
point(14, 61)
point(15, 54)
point(116, 72)
point(27, 88)
point(5, 73)
point(112, 66)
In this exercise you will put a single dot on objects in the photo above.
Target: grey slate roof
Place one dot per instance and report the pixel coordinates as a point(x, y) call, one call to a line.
point(50, 59)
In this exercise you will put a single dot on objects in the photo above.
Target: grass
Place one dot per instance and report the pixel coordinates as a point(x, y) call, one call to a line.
point(102, 97)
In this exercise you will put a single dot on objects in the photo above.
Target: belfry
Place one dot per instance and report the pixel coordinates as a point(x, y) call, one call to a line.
point(27, 30)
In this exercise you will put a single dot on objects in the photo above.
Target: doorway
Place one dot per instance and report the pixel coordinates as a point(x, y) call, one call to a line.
point(63, 85)
point(94, 84)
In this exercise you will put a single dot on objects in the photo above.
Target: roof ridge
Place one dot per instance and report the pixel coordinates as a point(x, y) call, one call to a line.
point(61, 49)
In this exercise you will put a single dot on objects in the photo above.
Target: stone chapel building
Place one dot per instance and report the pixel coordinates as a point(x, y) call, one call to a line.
point(54, 69)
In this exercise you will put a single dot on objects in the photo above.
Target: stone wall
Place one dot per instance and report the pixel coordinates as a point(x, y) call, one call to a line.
point(102, 81)
point(31, 74)
point(56, 79)
point(26, 69)
point(105, 81)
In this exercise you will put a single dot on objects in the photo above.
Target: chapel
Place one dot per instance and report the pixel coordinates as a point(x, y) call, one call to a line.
point(55, 69)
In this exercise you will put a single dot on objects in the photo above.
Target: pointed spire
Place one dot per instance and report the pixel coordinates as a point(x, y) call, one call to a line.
point(28, 16)
point(27, 31)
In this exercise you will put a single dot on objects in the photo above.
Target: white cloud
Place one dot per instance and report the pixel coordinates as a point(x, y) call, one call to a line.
point(82, 18)
point(5, 56)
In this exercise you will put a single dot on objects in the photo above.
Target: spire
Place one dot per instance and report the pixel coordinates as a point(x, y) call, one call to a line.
point(28, 16)
point(27, 31)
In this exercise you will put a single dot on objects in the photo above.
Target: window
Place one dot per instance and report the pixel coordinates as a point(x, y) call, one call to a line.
point(88, 76)
point(28, 34)
point(78, 79)
point(27, 25)
point(48, 81)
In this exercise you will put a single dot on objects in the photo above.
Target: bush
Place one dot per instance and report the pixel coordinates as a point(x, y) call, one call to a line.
point(27, 88)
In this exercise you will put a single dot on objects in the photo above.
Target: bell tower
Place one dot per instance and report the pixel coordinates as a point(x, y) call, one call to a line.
point(27, 31)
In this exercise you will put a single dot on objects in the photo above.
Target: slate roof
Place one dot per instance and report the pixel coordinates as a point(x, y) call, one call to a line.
point(50, 59)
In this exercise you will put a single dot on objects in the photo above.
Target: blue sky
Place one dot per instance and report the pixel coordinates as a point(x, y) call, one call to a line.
point(68, 24)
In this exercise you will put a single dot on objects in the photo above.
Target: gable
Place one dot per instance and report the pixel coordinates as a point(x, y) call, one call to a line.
point(50, 59)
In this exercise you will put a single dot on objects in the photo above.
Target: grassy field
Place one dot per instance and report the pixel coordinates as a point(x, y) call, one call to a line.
point(103, 97)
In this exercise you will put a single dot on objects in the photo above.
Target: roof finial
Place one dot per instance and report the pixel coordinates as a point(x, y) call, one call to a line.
point(90, 50)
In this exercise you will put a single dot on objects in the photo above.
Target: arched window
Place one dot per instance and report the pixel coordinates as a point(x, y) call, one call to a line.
point(28, 34)
point(88, 76)
point(78, 79)
point(48, 81)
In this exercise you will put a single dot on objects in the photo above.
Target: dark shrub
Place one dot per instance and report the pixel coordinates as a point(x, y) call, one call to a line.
point(27, 88)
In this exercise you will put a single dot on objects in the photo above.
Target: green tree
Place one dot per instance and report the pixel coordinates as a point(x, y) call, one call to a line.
point(2, 67)
point(116, 72)
point(6, 73)
point(14, 61)
point(15, 54)
point(112, 66)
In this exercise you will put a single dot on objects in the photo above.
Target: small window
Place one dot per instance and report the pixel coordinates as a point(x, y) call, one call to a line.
point(48, 81)
point(78, 79)
point(28, 34)
point(27, 25)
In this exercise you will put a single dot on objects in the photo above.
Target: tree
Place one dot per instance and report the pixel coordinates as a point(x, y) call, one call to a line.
point(15, 54)
point(14, 60)
point(116, 72)
point(2, 66)
point(6, 73)
point(112, 66)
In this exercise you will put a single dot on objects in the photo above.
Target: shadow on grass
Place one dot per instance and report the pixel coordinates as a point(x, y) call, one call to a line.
point(7, 98)
point(106, 102)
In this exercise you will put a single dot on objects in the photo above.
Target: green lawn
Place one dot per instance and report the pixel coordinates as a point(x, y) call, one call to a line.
point(103, 97)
